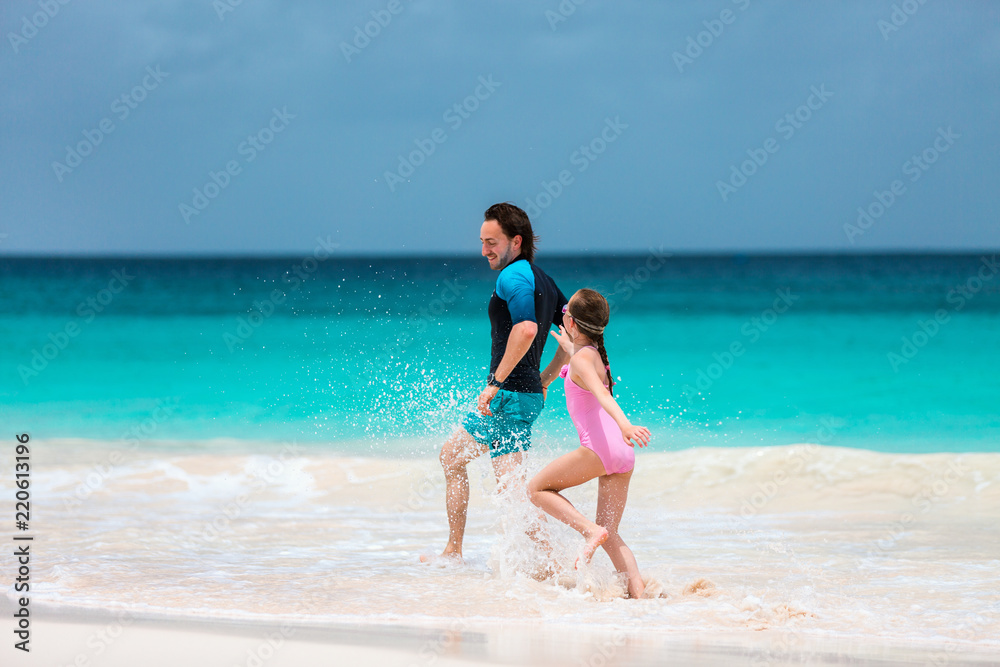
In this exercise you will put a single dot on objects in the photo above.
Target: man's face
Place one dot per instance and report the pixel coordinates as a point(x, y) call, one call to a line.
point(497, 248)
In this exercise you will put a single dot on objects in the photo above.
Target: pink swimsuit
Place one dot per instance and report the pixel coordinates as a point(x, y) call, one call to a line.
point(598, 431)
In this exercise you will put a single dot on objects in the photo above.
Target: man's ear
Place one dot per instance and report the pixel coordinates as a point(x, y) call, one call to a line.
point(516, 242)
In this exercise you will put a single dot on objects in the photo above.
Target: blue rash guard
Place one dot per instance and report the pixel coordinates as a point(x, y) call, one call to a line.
point(524, 293)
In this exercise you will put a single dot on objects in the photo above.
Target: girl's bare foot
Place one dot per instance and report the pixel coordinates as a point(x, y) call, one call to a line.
point(595, 540)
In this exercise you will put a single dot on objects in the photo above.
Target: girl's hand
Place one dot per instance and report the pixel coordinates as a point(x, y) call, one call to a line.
point(565, 342)
point(640, 434)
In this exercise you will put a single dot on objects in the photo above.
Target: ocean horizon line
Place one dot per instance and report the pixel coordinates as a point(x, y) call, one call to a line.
point(560, 255)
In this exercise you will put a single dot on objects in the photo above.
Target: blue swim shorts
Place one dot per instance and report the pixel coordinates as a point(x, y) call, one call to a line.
point(509, 429)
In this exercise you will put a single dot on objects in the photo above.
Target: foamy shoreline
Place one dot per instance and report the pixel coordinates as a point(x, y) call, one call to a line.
point(749, 480)
point(798, 552)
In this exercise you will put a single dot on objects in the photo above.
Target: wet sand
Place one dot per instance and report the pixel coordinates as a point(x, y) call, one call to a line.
point(101, 638)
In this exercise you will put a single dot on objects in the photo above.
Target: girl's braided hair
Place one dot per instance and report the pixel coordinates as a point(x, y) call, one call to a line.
point(591, 312)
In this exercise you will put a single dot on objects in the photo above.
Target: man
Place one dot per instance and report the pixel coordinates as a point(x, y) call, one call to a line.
point(524, 306)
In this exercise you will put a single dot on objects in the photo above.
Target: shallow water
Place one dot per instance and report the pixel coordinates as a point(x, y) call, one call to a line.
point(800, 541)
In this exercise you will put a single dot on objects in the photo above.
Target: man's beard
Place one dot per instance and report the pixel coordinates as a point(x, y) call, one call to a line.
point(505, 259)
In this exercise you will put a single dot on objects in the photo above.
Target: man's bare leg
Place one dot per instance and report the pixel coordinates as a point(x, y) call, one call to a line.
point(456, 454)
point(509, 470)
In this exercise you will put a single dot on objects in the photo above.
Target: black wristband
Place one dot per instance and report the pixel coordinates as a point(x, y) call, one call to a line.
point(492, 381)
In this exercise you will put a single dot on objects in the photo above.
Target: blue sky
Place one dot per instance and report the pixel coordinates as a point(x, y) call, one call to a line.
point(622, 123)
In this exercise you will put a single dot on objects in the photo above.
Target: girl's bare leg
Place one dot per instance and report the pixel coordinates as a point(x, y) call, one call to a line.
point(612, 492)
point(565, 472)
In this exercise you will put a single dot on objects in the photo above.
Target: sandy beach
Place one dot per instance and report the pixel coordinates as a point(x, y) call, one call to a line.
point(100, 638)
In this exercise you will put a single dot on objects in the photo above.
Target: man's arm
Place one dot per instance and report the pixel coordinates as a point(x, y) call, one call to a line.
point(518, 343)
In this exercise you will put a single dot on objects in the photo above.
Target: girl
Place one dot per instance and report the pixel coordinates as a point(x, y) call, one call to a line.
point(606, 439)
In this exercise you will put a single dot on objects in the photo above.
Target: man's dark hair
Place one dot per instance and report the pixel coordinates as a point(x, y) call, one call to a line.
point(514, 222)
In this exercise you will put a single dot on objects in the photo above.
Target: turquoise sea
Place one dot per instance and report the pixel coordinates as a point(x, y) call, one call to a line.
point(894, 353)
point(206, 432)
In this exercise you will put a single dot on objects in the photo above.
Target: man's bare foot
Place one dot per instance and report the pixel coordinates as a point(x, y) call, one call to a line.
point(547, 569)
point(448, 555)
point(595, 540)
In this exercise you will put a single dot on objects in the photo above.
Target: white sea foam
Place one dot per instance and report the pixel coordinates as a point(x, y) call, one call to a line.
point(797, 539)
